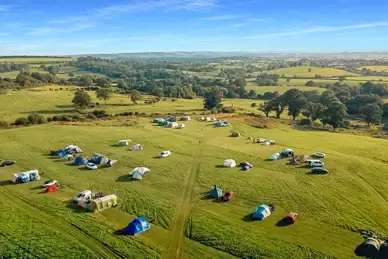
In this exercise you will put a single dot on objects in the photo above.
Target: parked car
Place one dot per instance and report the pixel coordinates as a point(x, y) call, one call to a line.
point(91, 166)
point(315, 163)
point(319, 170)
point(83, 195)
point(319, 155)
point(228, 196)
point(49, 183)
point(291, 217)
point(7, 163)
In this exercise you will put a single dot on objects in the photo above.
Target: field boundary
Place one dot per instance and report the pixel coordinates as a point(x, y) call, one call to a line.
point(184, 208)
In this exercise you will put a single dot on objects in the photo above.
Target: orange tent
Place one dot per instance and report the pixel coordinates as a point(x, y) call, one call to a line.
point(51, 188)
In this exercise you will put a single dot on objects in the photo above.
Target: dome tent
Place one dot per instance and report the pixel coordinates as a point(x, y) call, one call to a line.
point(137, 226)
point(216, 192)
point(137, 147)
point(51, 188)
point(80, 161)
point(139, 172)
point(122, 143)
point(229, 163)
point(262, 212)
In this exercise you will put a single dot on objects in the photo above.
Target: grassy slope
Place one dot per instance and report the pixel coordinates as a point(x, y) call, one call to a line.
point(303, 71)
point(352, 196)
point(16, 104)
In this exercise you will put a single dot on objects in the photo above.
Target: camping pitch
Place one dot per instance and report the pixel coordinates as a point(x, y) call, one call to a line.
point(262, 212)
point(139, 172)
point(229, 163)
point(102, 203)
point(122, 143)
point(137, 147)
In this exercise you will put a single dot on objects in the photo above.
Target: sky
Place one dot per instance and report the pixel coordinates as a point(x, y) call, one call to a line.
point(42, 27)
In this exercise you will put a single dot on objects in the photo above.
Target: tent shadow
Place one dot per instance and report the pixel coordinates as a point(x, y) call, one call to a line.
point(207, 196)
point(156, 157)
point(268, 159)
point(219, 200)
point(248, 218)
point(311, 173)
point(70, 164)
point(363, 251)
point(119, 232)
point(84, 168)
point(283, 223)
point(36, 188)
point(5, 182)
point(220, 166)
point(125, 178)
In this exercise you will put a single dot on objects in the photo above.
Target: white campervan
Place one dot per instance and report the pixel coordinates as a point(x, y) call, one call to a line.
point(315, 163)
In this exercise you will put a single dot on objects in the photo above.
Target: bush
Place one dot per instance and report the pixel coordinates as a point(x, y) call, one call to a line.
point(306, 122)
point(228, 109)
point(21, 121)
point(36, 119)
point(136, 113)
point(49, 119)
point(4, 124)
point(214, 111)
point(253, 105)
point(100, 113)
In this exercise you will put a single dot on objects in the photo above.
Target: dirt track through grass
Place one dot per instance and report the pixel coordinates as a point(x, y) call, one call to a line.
point(183, 211)
point(96, 247)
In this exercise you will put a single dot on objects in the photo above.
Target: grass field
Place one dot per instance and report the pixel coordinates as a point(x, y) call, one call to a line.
point(63, 73)
point(48, 103)
point(304, 72)
point(377, 68)
point(331, 207)
point(35, 60)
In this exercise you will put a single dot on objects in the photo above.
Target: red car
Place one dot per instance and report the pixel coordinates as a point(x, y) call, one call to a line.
point(291, 217)
point(228, 196)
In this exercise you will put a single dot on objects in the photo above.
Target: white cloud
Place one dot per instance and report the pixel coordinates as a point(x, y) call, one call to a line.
point(145, 5)
point(70, 19)
point(53, 30)
point(6, 8)
point(320, 29)
point(218, 18)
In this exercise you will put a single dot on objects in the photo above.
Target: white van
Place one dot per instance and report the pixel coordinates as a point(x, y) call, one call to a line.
point(87, 194)
point(315, 163)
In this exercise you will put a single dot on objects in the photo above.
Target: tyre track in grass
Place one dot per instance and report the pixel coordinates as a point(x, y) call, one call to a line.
point(96, 247)
point(183, 211)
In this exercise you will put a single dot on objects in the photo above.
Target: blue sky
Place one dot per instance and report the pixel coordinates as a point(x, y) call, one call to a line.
point(37, 27)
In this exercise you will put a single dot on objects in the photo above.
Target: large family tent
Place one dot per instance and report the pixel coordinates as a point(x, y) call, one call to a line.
point(102, 203)
point(185, 118)
point(137, 147)
point(262, 212)
point(229, 163)
point(137, 226)
point(24, 177)
point(139, 172)
point(71, 149)
point(123, 143)
point(275, 156)
point(171, 119)
point(98, 159)
point(216, 192)
point(287, 153)
point(80, 161)
point(156, 120)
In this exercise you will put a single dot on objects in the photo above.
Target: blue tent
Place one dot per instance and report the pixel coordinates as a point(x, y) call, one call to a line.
point(24, 178)
point(137, 226)
point(262, 212)
point(62, 153)
point(80, 161)
point(216, 192)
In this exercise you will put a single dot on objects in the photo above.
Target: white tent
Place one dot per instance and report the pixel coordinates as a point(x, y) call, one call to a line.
point(185, 118)
point(137, 147)
point(275, 156)
point(182, 126)
point(173, 125)
point(229, 163)
point(123, 142)
point(139, 172)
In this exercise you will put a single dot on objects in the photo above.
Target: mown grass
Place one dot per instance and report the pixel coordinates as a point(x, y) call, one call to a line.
point(49, 103)
point(304, 72)
point(331, 207)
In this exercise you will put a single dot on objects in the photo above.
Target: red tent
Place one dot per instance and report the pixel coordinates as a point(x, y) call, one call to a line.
point(52, 188)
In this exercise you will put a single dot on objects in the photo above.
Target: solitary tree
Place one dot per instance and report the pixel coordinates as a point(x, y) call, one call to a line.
point(372, 113)
point(104, 94)
point(136, 96)
point(266, 108)
point(296, 102)
point(81, 98)
point(213, 99)
point(309, 70)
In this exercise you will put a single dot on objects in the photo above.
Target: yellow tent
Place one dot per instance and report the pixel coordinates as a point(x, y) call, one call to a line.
point(102, 203)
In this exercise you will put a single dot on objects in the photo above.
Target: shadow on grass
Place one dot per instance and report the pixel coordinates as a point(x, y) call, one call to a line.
point(125, 178)
point(50, 111)
point(84, 168)
point(206, 196)
point(37, 188)
point(219, 200)
point(6, 182)
point(156, 157)
point(283, 223)
point(70, 164)
point(220, 166)
point(248, 218)
point(119, 232)
point(67, 106)
point(74, 207)
point(312, 173)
